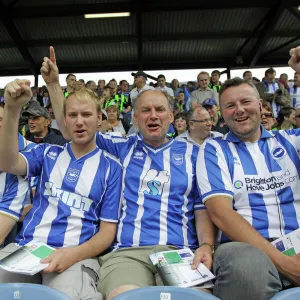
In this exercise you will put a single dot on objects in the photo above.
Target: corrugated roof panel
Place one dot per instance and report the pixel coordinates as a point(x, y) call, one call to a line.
point(11, 57)
point(4, 36)
point(188, 50)
point(71, 27)
point(276, 42)
point(288, 21)
point(203, 20)
point(284, 51)
point(39, 3)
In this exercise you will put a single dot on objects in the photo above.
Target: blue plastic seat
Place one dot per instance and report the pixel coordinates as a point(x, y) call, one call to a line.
point(290, 294)
point(29, 291)
point(165, 293)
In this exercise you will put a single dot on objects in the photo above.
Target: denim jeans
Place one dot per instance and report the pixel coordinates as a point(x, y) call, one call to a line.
point(244, 272)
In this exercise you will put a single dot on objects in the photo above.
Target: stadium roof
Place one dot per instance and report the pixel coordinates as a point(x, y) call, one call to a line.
point(158, 35)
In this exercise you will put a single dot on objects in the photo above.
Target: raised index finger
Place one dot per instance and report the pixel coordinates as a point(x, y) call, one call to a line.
point(52, 55)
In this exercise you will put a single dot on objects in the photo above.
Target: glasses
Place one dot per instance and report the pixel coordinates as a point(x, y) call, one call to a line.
point(203, 121)
point(267, 115)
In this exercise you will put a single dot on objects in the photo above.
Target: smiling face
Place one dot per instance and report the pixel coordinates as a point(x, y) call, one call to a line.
point(267, 119)
point(153, 116)
point(240, 109)
point(81, 119)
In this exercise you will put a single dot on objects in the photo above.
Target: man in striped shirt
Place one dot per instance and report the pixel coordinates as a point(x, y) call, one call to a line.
point(160, 200)
point(76, 204)
point(249, 182)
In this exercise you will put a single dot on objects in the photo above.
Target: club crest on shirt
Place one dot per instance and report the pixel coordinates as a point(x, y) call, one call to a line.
point(72, 175)
point(278, 152)
point(177, 158)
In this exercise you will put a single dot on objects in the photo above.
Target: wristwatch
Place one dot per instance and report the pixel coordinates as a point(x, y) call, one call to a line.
point(212, 247)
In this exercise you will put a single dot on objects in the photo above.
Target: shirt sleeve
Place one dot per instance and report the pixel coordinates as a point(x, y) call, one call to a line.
point(34, 159)
point(110, 209)
point(14, 195)
point(216, 96)
point(213, 174)
point(193, 97)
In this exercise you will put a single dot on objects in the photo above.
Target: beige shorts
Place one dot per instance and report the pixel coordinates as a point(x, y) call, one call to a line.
point(78, 282)
point(128, 266)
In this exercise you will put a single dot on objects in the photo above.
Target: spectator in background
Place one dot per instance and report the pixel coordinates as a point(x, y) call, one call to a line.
point(284, 80)
point(273, 92)
point(125, 102)
point(52, 116)
point(91, 85)
point(79, 85)
point(286, 118)
point(218, 123)
point(215, 83)
point(45, 99)
point(180, 123)
point(204, 92)
point(161, 85)
point(100, 87)
point(199, 127)
point(294, 88)
point(39, 126)
point(255, 80)
point(297, 117)
point(114, 86)
point(71, 81)
point(267, 117)
point(179, 103)
point(247, 75)
point(175, 87)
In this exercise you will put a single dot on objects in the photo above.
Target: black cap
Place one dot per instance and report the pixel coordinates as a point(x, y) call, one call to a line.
point(140, 73)
point(36, 110)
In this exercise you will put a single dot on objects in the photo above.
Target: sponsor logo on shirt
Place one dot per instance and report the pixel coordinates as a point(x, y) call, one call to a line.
point(238, 184)
point(153, 182)
point(72, 175)
point(177, 158)
point(278, 153)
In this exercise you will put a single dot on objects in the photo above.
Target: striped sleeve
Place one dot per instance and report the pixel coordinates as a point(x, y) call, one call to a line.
point(213, 175)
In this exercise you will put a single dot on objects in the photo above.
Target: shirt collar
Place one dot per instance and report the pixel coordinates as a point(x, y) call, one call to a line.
point(230, 137)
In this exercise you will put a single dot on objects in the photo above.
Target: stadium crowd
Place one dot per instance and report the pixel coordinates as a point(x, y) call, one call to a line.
point(107, 174)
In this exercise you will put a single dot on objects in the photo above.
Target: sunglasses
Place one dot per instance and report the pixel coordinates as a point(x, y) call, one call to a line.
point(267, 115)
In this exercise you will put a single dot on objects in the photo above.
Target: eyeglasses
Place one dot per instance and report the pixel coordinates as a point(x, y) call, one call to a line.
point(203, 121)
point(267, 115)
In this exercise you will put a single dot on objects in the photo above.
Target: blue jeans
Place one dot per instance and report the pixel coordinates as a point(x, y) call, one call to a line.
point(244, 272)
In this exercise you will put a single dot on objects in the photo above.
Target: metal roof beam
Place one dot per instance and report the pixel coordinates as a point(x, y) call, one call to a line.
point(280, 47)
point(294, 12)
point(273, 17)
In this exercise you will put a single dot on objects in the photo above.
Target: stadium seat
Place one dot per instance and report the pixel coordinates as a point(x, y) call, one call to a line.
point(29, 291)
point(290, 294)
point(165, 293)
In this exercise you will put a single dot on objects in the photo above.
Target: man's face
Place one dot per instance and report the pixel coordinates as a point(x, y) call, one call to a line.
point(81, 120)
point(284, 78)
point(203, 81)
point(267, 119)
point(270, 77)
point(124, 86)
point(153, 117)
point(101, 84)
point(50, 109)
point(200, 126)
point(1, 115)
point(71, 81)
point(161, 82)
point(297, 79)
point(112, 84)
point(106, 93)
point(181, 98)
point(240, 109)
point(38, 125)
point(112, 113)
point(248, 76)
point(297, 117)
point(79, 85)
point(139, 81)
point(212, 110)
point(180, 125)
point(92, 86)
point(215, 77)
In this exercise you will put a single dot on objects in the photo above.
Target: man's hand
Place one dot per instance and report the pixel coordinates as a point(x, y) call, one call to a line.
point(294, 61)
point(290, 267)
point(17, 93)
point(49, 69)
point(60, 260)
point(203, 255)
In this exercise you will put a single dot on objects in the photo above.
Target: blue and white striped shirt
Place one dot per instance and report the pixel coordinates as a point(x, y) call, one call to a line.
point(14, 189)
point(72, 195)
point(262, 178)
point(159, 192)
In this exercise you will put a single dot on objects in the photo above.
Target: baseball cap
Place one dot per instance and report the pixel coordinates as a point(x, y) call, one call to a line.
point(36, 110)
point(140, 73)
point(209, 102)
